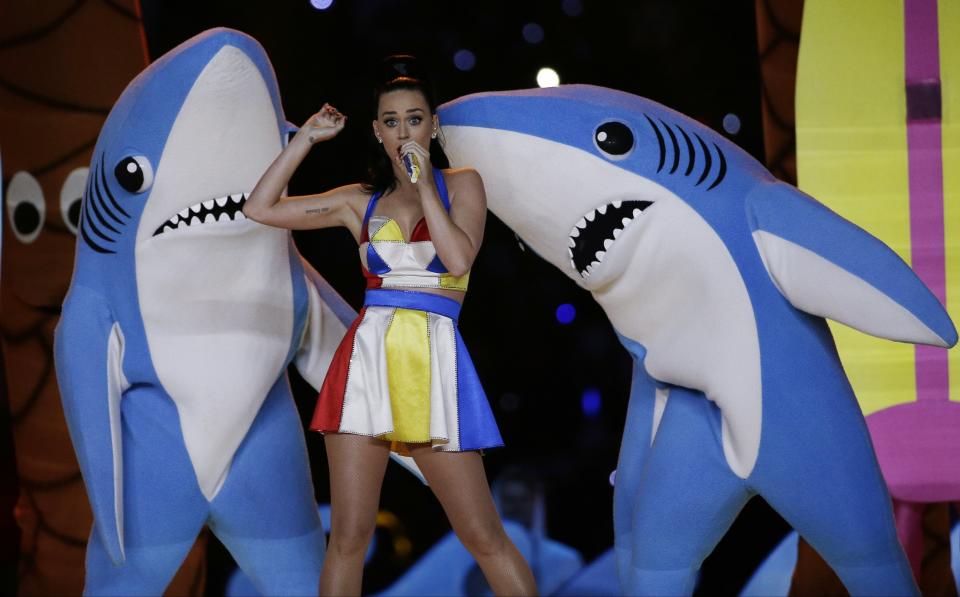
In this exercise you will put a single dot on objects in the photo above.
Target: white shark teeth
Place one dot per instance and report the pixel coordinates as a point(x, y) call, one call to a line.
point(220, 209)
point(578, 246)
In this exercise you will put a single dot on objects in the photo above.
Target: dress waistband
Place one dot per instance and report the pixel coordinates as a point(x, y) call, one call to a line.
point(410, 299)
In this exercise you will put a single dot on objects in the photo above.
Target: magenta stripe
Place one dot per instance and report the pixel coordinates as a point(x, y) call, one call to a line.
point(925, 160)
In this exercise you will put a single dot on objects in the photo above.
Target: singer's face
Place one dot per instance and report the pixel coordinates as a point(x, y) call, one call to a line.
point(403, 116)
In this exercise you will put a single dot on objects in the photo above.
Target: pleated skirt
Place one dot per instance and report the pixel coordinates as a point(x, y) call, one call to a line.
point(403, 374)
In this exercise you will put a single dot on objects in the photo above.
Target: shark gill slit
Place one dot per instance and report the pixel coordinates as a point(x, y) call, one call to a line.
point(676, 146)
point(707, 157)
point(103, 202)
point(691, 152)
point(723, 168)
point(84, 221)
point(106, 187)
point(88, 202)
point(663, 145)
point(94, 204)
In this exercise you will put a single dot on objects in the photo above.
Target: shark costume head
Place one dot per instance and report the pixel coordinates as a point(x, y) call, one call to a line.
point(179, 324)
point(717, 279)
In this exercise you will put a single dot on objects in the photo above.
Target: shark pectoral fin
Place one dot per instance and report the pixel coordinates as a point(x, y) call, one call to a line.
point(88, 351)
point(827, 266)
point(327, 321)
point(288, 129)
point(410, 464)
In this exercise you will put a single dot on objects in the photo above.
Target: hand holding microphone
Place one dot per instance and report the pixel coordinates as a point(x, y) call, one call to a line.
point(415, 160)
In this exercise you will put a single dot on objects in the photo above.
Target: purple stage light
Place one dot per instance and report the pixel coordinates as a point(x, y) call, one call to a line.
point(572, 8)
point(532, 33)
point(731, 124)
point(464, 60)
point(566, 313)
point(321, 4)
point(590, 402)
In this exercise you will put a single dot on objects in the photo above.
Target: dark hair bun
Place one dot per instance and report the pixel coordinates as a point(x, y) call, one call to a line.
point(400, 65)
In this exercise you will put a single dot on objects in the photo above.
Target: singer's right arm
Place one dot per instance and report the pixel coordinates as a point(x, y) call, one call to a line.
point(267, 205)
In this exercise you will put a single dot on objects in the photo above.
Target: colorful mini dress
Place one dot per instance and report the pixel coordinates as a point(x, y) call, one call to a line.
point(402, 372)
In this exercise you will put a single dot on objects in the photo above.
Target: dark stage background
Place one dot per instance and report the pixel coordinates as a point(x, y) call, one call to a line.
point(559, 390)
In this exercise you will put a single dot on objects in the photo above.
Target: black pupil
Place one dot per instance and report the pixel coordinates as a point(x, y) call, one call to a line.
point(73, 212)
point(129, 174)
point(614, 138)
point(26, 218)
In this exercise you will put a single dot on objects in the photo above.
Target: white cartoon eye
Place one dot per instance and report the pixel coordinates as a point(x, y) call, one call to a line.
point(25, 206)
point(134, 173)
point(71, 197)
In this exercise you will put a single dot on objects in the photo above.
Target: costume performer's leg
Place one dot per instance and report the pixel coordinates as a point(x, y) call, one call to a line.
point(634, 447)
point(163, 508)
point(686, 501)
point(266, 513)
point(822, 476)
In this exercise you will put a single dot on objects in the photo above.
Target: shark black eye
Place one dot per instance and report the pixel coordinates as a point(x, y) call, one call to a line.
point(134, 173)
point(26, 208)
point(614, 138)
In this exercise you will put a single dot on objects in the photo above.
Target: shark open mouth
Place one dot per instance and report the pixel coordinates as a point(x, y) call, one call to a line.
point(221, 209)
point(598, 230)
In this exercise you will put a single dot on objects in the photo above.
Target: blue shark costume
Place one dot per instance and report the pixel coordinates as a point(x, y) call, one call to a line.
point(180, 321)
point(717, 278)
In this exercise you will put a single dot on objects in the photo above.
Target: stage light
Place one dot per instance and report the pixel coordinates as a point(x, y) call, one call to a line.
point(731, 124)
point(571, 8)
point(547, 77)
point(590, 402)
point(464, 60)
point(532, 33)
point(321, 4)
point(566, 313)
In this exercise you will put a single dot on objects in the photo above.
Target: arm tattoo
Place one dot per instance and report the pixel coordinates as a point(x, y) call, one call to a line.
point(318, 210)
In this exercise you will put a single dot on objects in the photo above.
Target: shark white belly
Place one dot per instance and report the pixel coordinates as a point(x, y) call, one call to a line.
point(216, 357)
